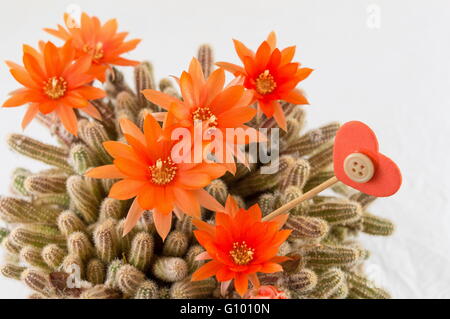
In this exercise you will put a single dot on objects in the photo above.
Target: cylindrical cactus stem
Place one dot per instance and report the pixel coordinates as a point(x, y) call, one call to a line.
point(82, 198)
point(176, 244)
point(15, 210)
point(147, 223)
point(94, 135)
point(69, 222)
point(111, 272)
point(187, 289)
point(12, 271)
point(276, 279)
point(284, 249)
point(144, 79)
point(304, 227)
point(37, 280)
point(127, 103)
point(45, 184)
point(219, 190)
point(147, 290)
point(302, 282)
point(192, 253)
point(342, 189)
point(313, 139)
point(256, 182)
point(185, 225)
point(165, 83)
point(17, 181)
point(205, 56)
point(95, 271)
point(95, 187)
point(61, 200)
point(266, 203)
point(326, 256)
point(336, 212)
point(48, 154)
point(170, 269)
point(321, 159)
point(37, 235)
point(129, 279)
point(376, 225)
point(329, 283)
point(341, 292)
point(78, 243)
point(106, 110)
point(81, 158)
point(124, 241)
point(112, 208)
point(33, 257)
point(53, 256)
point(11, 246)
point(296, 175)
point(53, 123)
point(141, 253)
point(362, 288)
point(291, 193)
point(317, 179)
point(290, 135)
point(364, 199)
point(100, 292)
point(115, 83)
point(106, 241)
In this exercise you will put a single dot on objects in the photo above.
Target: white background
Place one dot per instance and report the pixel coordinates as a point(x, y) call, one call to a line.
point(395, 77)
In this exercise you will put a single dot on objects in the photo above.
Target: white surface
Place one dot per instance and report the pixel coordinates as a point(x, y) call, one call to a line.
point(396, 78)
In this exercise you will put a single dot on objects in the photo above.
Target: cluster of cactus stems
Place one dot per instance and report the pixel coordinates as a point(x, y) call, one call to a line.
point(61, 227)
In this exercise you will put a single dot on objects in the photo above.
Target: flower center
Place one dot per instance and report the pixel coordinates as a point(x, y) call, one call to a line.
point(55, 87)
point(204, 114)
point(163, 171)
point(241, 253)
point(265, 83)
point(96, 52)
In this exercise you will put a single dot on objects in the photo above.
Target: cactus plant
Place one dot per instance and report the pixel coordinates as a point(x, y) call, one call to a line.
point(64, 235)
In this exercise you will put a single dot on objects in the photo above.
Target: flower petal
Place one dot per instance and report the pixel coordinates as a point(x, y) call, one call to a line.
point(163, 222)
point(106, 171)
point(206, 271)
point(68, 118)
point(126, 189)
point(134, 213)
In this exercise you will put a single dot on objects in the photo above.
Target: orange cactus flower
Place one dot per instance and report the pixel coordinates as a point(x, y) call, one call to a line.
point(158, 181)
point(208, 102)
point(271, 75)
point(240, 245)
point(54, 82)
point(102, 42)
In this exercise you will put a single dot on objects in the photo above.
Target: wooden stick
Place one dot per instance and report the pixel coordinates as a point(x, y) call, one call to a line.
point(310, 194)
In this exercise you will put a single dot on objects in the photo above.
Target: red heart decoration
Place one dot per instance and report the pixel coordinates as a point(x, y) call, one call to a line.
point(357, 137)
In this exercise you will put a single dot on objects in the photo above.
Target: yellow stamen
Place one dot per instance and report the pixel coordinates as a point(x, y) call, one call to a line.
point(163, 171)
point(204, 114)
point(265, 83)
point(241, 253)
point(97, 53)
point(55, 87)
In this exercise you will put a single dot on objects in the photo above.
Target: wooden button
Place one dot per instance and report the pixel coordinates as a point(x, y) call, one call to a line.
point(359, 167)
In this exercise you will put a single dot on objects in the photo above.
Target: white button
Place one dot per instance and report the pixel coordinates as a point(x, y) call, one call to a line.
point(359, 167)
